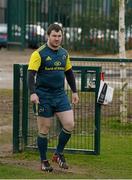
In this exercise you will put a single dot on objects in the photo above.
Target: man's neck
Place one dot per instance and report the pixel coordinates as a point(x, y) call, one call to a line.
point(52, 47)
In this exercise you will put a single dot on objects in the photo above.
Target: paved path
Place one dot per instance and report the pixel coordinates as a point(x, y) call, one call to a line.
point(8, 58)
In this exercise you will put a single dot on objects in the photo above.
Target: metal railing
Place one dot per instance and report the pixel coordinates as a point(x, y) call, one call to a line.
point(88, 24)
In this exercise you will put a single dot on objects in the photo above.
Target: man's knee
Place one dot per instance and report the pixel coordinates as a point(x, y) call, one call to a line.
point(44, 130)
point(69, 125)
point(43, 125)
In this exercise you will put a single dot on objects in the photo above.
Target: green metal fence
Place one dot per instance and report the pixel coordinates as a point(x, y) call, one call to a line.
point(110, 115)
point(88, 24)
point(111, 125)
point(86, 136)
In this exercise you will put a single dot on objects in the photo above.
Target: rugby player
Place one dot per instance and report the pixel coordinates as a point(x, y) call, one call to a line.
point(47, 69)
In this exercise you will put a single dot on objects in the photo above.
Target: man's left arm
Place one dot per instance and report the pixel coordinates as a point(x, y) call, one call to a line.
point(71, 81)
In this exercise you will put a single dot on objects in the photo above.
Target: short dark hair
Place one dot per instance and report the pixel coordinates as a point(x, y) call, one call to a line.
point(56, 27)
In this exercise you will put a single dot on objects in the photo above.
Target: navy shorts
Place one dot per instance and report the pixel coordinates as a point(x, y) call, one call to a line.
point(52, 104)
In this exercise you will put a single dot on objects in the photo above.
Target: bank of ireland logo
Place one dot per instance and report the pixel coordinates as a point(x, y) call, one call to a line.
point(57, 63)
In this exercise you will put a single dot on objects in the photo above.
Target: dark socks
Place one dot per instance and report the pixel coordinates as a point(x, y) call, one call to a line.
point(42, 145)
point(64, 137)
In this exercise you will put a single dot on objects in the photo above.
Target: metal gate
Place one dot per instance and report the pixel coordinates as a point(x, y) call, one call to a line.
point(86, 135)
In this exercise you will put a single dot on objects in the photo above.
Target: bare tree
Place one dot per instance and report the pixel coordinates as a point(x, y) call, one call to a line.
point(122, 55)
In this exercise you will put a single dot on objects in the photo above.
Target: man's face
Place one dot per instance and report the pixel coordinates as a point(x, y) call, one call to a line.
point(55, 39)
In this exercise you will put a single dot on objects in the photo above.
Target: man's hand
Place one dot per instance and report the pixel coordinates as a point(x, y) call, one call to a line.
point(34, 98)
point(75, 98)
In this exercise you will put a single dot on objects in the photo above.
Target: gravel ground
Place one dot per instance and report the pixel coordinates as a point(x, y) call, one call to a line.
point(7, 59)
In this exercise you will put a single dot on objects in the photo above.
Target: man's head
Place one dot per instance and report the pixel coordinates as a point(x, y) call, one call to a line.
point(54, 27)
point(55, 33)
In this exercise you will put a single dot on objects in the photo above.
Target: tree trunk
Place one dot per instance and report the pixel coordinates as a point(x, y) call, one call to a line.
point(123, 71)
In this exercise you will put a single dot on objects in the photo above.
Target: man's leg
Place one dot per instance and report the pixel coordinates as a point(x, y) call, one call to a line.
point(67, 120)
point(42, 141)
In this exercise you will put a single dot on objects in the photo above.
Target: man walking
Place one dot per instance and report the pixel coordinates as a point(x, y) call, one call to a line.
point(47, 69)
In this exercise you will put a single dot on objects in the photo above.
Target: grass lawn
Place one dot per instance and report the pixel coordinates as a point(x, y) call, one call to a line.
point(114, 162)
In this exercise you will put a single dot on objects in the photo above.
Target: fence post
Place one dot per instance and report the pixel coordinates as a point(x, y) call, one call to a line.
point(97, 114)
point(16, 107)
point(24, 106)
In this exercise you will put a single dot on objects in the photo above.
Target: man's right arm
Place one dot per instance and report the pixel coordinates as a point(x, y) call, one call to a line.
point(34, 64)
point(31, 85)
point(31, 81)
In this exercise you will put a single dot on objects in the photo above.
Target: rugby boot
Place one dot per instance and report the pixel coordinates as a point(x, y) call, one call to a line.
point(60, 159)
point(45, 166)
